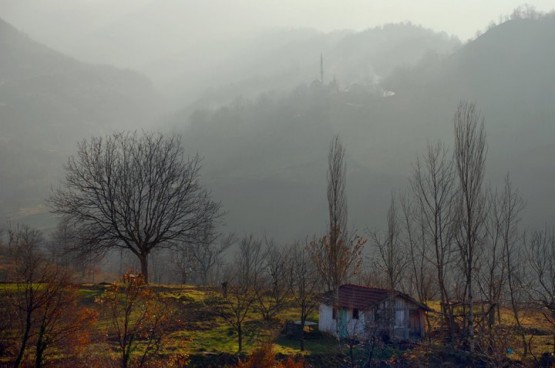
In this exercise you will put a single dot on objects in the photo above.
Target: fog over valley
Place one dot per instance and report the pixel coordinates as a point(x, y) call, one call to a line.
point(260, 101)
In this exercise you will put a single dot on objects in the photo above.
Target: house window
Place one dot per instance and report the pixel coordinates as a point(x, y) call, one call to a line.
point(333, 313)
point(355, 313)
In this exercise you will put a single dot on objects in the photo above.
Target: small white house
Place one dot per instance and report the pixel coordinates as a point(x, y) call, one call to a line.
point(359, 311)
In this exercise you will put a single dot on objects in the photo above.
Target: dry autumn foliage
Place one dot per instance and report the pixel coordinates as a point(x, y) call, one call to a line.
point(138, 320)
point(264, 357)
point(45, 317)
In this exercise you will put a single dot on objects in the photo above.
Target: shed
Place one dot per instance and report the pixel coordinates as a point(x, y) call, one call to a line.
point(358, 311)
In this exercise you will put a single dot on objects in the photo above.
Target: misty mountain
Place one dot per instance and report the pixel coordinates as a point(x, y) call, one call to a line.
point(49, 101)
point(187, 48)
point(509, 72)
point(266, 157)
point(263, 120)
point(279, 60)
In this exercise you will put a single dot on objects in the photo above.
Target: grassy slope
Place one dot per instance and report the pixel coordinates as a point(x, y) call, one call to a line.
point(202, 330)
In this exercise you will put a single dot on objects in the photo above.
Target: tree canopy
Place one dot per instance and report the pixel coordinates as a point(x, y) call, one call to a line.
point(134, 191)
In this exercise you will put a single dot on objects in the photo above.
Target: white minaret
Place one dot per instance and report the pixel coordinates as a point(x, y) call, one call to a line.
point(322, 68)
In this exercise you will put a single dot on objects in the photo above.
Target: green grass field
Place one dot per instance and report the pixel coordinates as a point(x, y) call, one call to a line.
point(200, 328)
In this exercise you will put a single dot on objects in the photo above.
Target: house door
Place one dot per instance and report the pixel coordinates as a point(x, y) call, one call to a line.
point(342, 323)
point(415, 324)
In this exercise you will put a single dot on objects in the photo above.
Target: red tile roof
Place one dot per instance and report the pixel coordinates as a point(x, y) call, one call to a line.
point(362, 297)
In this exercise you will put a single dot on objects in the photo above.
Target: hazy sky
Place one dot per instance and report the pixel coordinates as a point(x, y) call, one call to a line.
point(49, 18)
point(461, 18)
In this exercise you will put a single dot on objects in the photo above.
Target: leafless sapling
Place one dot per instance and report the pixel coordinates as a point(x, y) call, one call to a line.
point(541, 266)
point(240, 288)
point(305, 285)
point(274, 290)
point(392, 257)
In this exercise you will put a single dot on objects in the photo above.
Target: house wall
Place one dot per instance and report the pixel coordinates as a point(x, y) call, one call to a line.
point(400, 319)
point(355, 327)
point(401, 323)
point(325, 321)
point(393, 316)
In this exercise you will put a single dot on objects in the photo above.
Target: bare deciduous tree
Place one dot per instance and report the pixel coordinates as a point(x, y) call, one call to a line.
point(138, 319)
point(337, 183)
point(183, 265)
point(337, 255)
point(207, 254)
point(137, 192)
point(434, 189)
point(305, 285)
point(392, 256)
point(501, 236)
point(541, 265)
point(422, 280)
point(241, 289)
point(59, 246)
point(44, 305)
point(275, 287)
point(470, 161)
point(508, 208)
point(24, 244)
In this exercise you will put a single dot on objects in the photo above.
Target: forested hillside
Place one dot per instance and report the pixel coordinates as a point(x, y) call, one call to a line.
point(267, 154)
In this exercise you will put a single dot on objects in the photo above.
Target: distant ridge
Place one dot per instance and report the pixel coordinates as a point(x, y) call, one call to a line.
point(267, 154)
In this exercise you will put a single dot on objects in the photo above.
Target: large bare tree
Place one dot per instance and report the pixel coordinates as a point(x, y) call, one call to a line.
point(337, 183)
point(434, 188)
point(470, 163)
point(134, 191)
point(337, 255)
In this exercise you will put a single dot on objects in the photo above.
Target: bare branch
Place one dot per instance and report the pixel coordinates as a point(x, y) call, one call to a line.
point(137, 192)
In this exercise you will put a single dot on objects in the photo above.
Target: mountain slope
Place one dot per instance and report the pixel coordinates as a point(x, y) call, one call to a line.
point(49, 101)
point(266, 158)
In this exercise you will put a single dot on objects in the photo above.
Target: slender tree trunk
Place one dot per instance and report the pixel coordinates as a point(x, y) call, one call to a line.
point(470, 312)
point(240, 337)
point(447, 311)
point(301, 337)
point(143, 258)
point(39, 356)
point(516, 314)
point(470, 155)
point(124, 358)
point(126, 352)
point(40, 347)
point(428, 328)
point(24, 340)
